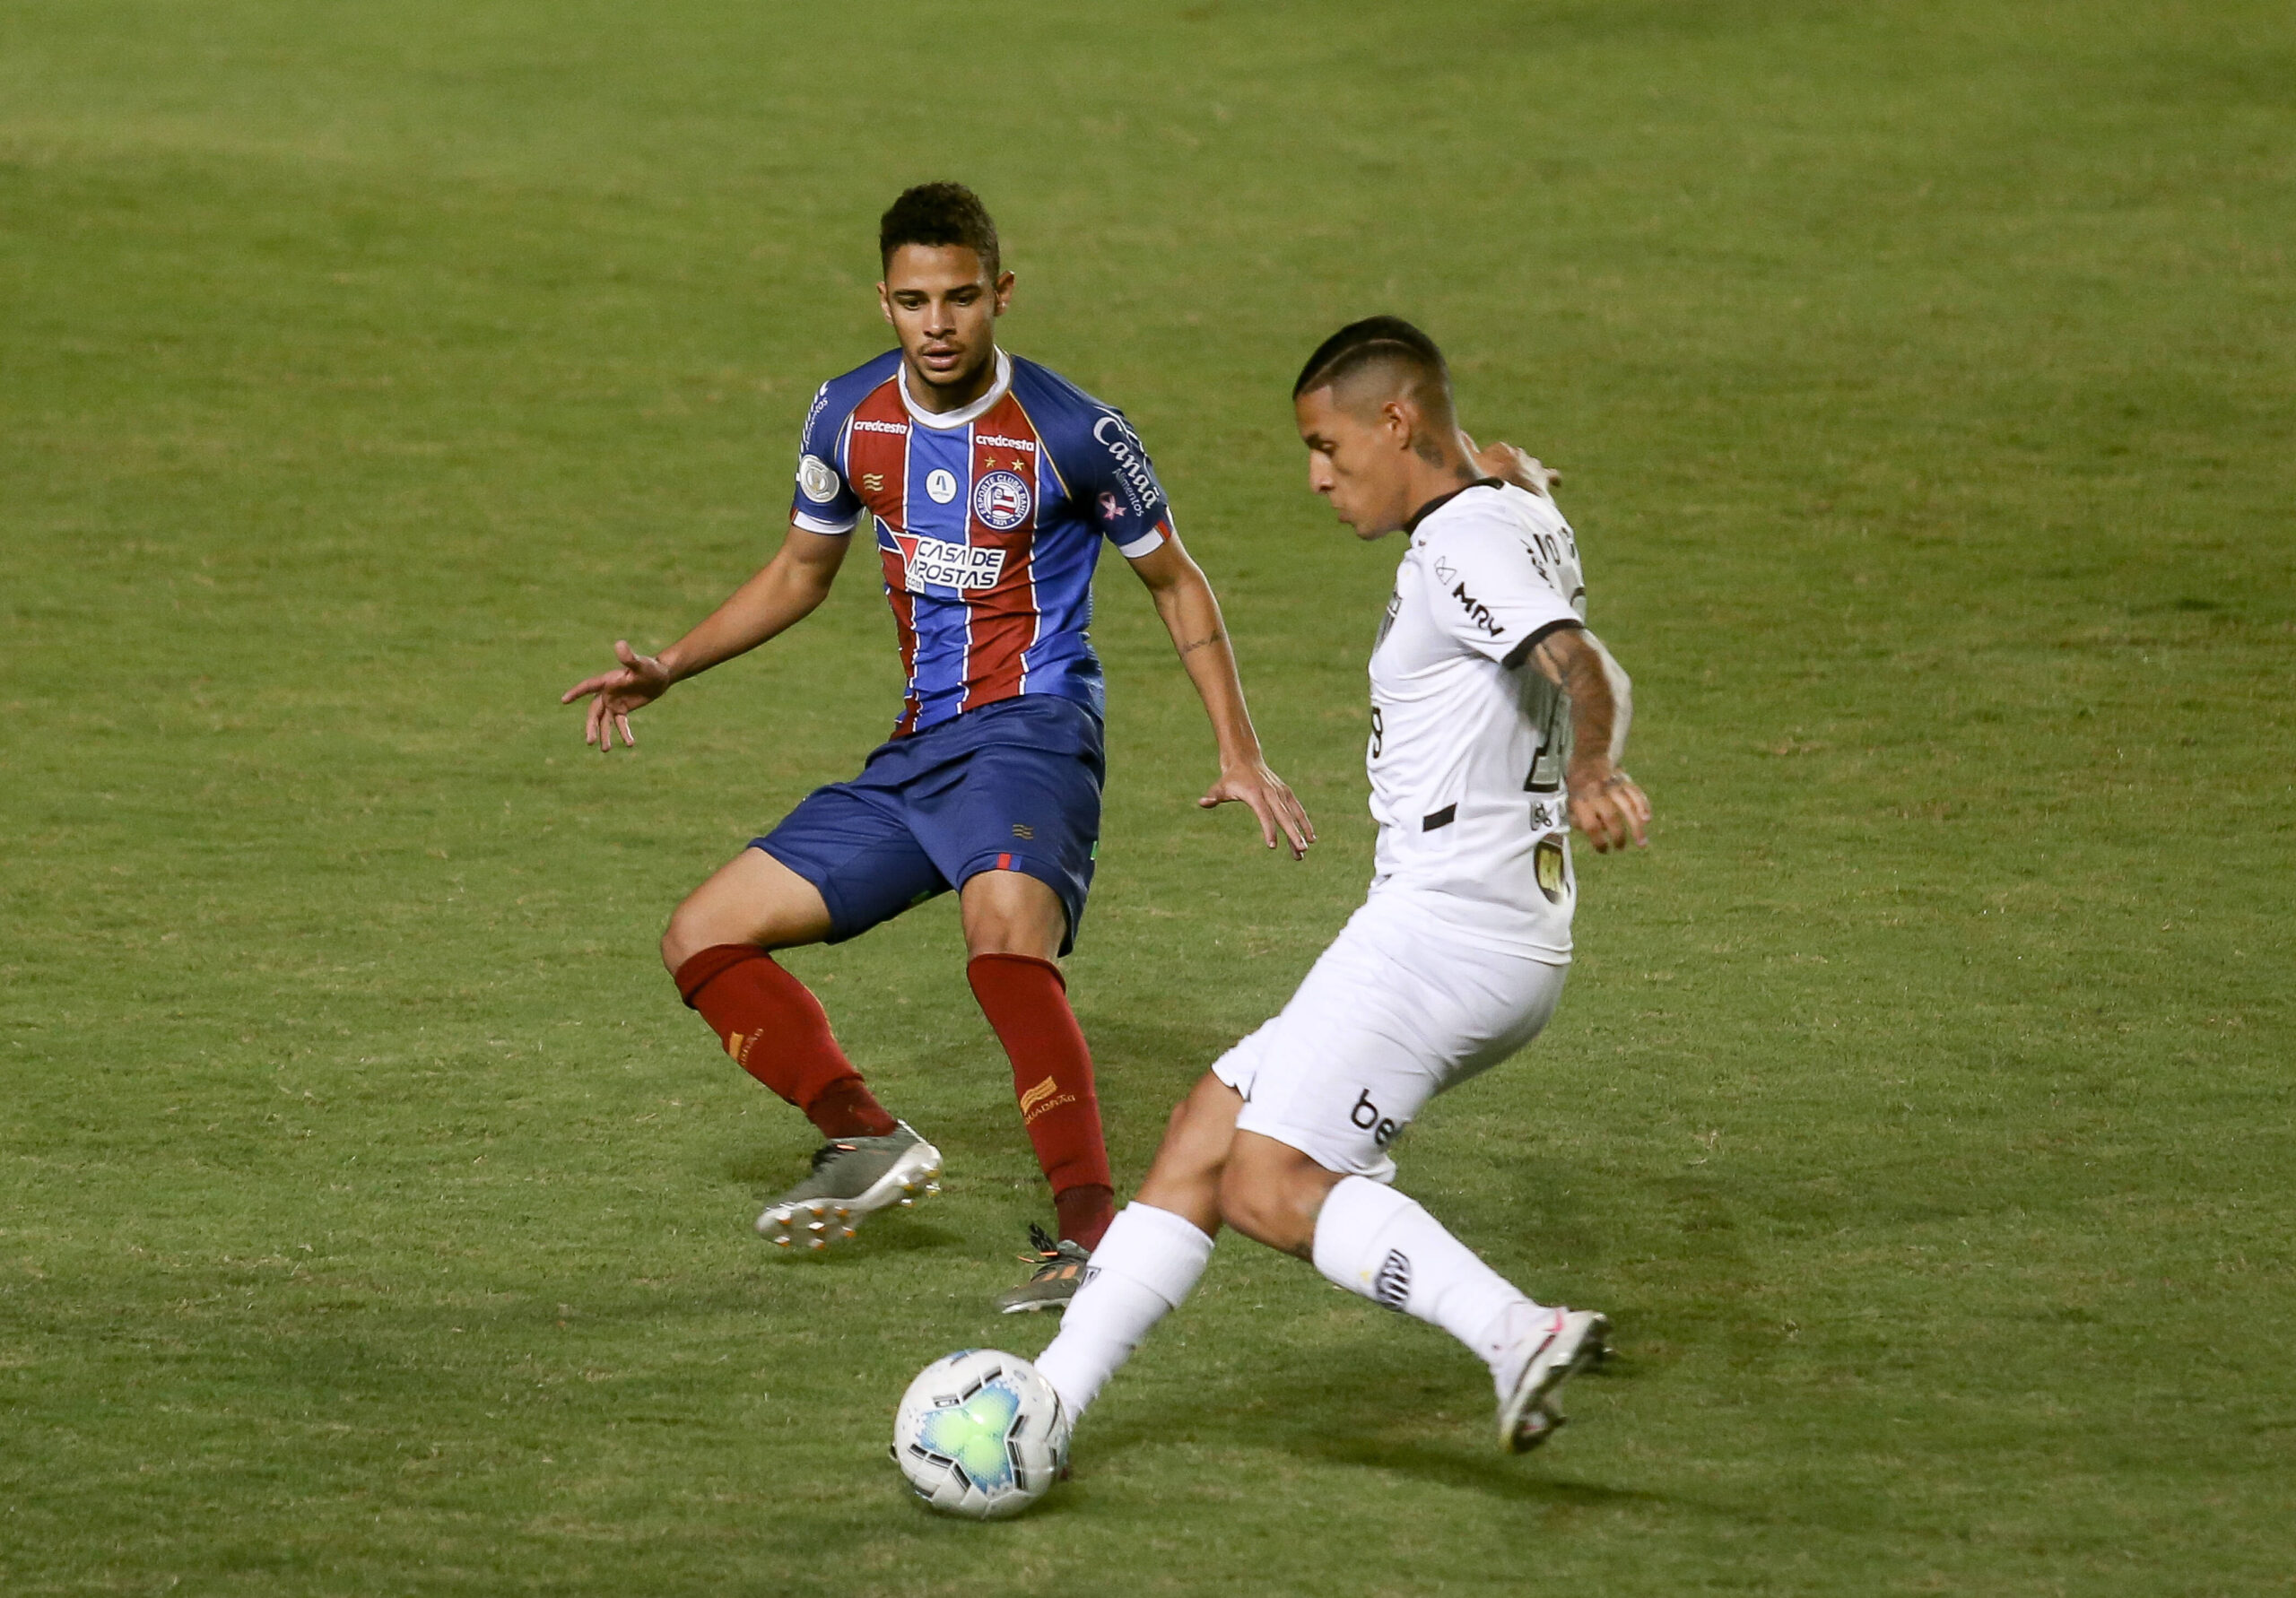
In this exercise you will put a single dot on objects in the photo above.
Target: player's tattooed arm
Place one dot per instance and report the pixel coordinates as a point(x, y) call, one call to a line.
point(1605, 806)
point(787, 590)
point(1191, 614)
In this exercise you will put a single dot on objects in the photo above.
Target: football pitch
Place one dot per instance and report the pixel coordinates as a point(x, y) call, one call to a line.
point(374, 1220)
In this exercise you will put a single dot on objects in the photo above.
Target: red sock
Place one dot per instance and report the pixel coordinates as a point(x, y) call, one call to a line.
point(1083, 1213)
point(775, 1029)
point(1026, 1001)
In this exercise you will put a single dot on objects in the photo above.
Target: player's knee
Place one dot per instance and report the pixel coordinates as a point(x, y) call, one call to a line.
point(1009, 912)
point(677, 942)
point(689, 931)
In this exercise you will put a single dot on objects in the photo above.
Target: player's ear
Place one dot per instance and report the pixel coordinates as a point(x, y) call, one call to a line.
point(1399, 421)
point(1002, 288)
point(884, 302)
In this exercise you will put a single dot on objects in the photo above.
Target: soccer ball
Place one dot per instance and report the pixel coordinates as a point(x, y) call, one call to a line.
point(981, 1434)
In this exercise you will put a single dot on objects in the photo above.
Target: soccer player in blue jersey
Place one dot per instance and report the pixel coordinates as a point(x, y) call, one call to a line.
point(987, 484)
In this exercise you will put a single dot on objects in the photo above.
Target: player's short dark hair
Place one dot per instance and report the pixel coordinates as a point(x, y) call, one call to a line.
point(938, 214)
point(1380, 341)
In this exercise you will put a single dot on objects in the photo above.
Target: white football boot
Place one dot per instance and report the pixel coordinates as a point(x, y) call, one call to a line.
point(1561, 1342)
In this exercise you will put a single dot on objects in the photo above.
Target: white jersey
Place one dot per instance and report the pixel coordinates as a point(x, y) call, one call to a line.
point(1467, 752)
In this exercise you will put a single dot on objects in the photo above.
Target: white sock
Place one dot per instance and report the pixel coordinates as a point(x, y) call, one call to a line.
point(1148, 1260)
point(1372, 1240)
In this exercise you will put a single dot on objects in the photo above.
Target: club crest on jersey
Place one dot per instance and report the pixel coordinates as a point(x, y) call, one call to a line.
point(817, 478)
point(1552, 867)
point(934, 562)
point(1001, 500)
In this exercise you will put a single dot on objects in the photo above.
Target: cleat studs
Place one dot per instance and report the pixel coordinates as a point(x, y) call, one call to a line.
point(931, 1187)
point(818, 1244)
point(907, 1203)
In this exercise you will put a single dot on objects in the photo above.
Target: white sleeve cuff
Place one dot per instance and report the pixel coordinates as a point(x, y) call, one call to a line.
point(1147, 543)
point(814, 524)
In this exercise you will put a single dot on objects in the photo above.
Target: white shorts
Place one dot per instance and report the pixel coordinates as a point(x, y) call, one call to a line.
point(1400, 1007)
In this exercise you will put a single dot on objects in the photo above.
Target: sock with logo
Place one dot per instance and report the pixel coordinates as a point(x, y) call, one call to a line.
point(1149, 1262)
point(1372, 1240)
point(775, 1029)
point(1026, 1001)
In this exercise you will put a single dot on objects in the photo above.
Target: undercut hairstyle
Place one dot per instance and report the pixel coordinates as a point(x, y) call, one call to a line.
point(1384, 348)
point(939, 213)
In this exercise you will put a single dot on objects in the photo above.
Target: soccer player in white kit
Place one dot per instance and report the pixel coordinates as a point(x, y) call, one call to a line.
point(1497, 722)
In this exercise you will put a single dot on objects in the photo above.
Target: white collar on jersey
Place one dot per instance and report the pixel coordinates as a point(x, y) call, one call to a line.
point(943, 420)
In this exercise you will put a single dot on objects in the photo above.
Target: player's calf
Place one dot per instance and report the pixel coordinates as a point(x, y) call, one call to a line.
point(1373, 1240)
point(1148, 1264)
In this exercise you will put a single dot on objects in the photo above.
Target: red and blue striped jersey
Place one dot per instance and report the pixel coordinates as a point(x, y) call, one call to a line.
point(988, 520)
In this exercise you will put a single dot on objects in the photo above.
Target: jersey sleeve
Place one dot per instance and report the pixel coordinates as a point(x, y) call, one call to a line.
point(825, 502)
point(1493, 593)
point(1115, 486)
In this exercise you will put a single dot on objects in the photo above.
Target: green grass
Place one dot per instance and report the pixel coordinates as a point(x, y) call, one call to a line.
point(372, 1218)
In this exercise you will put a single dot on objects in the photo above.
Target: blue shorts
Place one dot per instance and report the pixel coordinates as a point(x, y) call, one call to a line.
point(1011, 786)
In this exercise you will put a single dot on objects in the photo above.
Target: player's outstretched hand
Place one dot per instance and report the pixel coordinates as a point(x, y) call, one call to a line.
point(1608, 808)
point(639, 680)
point(1511, 465)
point(1271, 800)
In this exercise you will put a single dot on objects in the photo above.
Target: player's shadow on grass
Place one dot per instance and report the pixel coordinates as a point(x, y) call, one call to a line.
point(1313, 1412)
point(884, 1235)
point(1516, 1480)
point(767, 1169)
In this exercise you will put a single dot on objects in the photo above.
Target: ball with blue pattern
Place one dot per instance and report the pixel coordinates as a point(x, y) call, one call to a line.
point(980, 1434)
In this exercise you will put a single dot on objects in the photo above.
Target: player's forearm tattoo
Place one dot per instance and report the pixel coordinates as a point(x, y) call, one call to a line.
point(1577, 664)
point(1217, 635)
